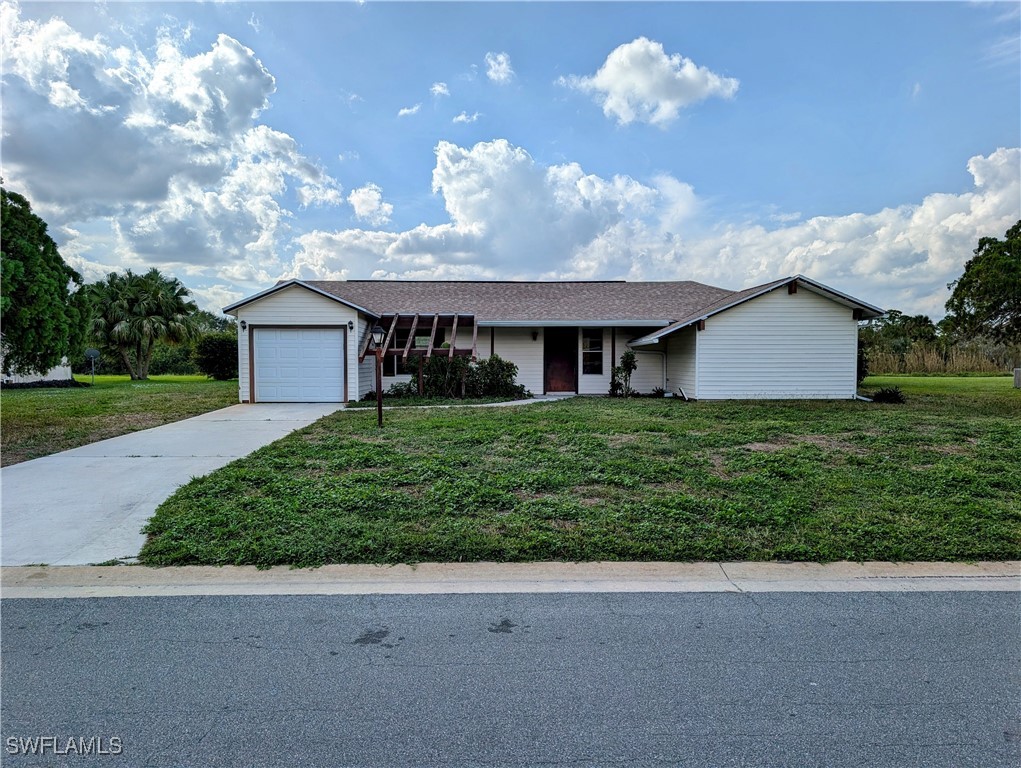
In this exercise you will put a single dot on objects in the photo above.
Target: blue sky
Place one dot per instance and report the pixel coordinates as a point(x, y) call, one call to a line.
point(867, 145)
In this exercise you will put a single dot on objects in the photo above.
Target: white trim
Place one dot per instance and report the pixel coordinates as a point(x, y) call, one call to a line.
point(834, 292)
point(280, 286)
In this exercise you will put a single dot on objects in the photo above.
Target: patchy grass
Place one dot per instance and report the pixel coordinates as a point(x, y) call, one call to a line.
point(418, 402)
point(38, 422)
point(937, 478)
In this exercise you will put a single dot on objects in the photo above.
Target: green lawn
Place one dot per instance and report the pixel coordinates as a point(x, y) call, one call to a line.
point(417, 402)
point(38, 422)
point(938, 478)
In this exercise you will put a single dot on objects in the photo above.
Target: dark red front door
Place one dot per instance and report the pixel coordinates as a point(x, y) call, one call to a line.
point(561, 359)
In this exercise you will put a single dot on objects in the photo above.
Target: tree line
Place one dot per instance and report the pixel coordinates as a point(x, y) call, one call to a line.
point(981, 332)
point(48, 313)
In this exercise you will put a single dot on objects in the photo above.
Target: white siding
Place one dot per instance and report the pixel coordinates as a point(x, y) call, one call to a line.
point(680, 362)
point(60, 373)
point(779, 345)
point(516, 345)
point(366, 370)
point(295, 306)
point(650, 371)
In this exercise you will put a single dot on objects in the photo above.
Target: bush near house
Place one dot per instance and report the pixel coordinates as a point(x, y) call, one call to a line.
point(459, 378)
point(216, 355)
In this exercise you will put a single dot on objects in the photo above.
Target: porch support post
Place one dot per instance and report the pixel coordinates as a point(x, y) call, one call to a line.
point(453, 337)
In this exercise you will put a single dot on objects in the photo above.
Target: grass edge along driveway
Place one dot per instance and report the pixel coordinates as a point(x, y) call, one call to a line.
point(596, 479)
point(39, 422)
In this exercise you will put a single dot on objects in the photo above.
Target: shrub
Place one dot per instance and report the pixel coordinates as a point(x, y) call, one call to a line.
point(174, 359)
point(442, 376)
point(889, 395)
point(494, 377)
point(402, 389)
point(50, 384)
point(620, 376)
point(457, 377)
point(216, 355)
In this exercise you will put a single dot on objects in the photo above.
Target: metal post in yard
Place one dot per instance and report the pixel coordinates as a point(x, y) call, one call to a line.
point(379, 387)
point(377, 339)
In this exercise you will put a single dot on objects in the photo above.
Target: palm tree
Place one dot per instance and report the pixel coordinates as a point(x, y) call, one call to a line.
point(133, 312)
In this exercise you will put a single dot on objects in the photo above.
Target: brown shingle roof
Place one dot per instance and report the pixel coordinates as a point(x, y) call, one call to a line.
point(495, 301)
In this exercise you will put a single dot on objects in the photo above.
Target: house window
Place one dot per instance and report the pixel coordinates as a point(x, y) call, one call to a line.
point(592, 351)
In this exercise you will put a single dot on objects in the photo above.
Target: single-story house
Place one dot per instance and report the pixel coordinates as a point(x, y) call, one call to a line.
point(309, 340)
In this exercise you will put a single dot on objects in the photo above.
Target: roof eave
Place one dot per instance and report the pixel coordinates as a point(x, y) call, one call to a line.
point(232, 308)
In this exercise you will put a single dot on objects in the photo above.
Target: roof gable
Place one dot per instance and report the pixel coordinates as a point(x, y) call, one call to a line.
point(740, 297)
point(289, 284)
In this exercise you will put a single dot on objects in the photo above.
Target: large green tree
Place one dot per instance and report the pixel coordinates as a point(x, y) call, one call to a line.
point(43, 315)
point(135, 312)
point(896, 332)
point(986, 299)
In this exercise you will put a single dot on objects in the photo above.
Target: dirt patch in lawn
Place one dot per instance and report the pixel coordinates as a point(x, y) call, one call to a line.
point(826, 442)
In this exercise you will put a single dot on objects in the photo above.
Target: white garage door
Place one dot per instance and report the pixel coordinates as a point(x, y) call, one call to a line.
point(299, 365)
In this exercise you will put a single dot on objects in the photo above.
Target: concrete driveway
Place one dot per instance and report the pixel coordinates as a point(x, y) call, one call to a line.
point(87, 505)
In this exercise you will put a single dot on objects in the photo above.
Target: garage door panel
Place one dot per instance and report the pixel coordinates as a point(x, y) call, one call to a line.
point(299, 365)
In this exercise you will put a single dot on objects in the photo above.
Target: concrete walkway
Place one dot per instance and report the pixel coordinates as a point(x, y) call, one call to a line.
point(510, 578)
point(88, 505)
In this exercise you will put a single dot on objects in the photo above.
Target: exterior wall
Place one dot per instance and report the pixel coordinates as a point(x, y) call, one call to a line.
point(779, 345)
point(295, 306)
point(365, 371)
point(516, 345)
point(681, 362)
point(650, 371)
point(592, 383)
point(60, 373)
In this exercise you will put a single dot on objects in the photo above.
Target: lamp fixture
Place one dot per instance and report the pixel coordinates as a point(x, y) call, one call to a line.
point(377, 335)
point(535, 335)
point(244, 325)
point(350, 325)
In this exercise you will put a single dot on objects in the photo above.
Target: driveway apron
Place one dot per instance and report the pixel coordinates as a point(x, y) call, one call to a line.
point(88, 505)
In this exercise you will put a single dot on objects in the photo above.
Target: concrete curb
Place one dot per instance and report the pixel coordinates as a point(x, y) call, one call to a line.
point(470, 578)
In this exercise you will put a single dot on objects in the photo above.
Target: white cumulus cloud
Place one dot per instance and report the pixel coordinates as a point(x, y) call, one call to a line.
point(158, 158)
point(439, 89)
point(406, 111)
point(498, 67)
point(511, 217)
point(464, 117)
point(640, 82)
point(368, 205)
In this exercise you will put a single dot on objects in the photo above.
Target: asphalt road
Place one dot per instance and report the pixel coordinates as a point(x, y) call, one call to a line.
point(793, 679)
